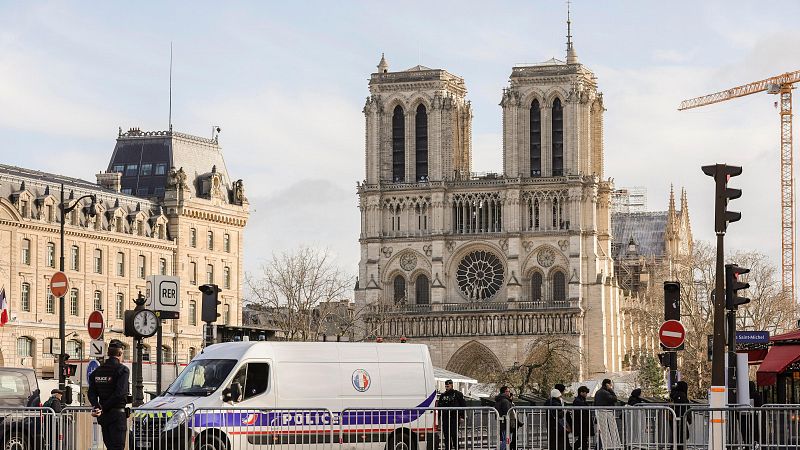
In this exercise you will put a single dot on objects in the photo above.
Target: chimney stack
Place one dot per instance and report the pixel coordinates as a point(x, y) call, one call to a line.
point(110, 180)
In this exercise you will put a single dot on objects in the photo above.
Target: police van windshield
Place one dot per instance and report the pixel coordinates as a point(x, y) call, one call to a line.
point(201, 377)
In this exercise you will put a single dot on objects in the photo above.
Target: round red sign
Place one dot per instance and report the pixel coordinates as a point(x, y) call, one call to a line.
point(95, 324)
point(59, 284)
point(672, 334)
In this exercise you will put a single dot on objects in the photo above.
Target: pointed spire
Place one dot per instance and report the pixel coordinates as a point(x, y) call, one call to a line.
point(383, 66)
point(22, 186)
point(47, 190)
point(572, 55)
point(116, 203)
point(684, 202)
point(671, 210)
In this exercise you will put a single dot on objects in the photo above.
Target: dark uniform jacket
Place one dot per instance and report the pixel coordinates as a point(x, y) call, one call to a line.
point(452, 399)
point(108, 385)
point(605, 397)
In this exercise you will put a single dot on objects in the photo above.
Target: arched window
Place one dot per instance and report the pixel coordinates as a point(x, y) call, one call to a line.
point(559, 287)
point(536, 139)
point(536, 287)
point(422, 143)
point(75, 349)
point(25, 347)
point(399, 288)
point(398, 145)
point(423, 291)
point(558, 138)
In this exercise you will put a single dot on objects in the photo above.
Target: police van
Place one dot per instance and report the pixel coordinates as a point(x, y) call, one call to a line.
point(243, 395)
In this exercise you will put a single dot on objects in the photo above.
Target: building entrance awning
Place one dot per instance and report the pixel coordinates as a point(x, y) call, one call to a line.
point(776, 361)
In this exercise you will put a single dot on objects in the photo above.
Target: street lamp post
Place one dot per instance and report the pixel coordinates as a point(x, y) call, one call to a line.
point(62, 325)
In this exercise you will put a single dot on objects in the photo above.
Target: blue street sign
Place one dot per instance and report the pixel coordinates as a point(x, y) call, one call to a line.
point(752, 337)
point(91, 367)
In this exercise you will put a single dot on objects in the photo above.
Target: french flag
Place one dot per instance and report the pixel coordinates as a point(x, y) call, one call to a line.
point(3, 307)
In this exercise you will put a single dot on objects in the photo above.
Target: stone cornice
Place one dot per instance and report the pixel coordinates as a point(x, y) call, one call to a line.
point(91, 234)
point(217, 217)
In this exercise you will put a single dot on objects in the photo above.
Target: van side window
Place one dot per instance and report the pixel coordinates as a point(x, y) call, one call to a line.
point(257, 379)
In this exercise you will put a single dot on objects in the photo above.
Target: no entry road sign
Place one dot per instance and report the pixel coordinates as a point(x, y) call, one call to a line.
point(95, 324)
point(672, 334)
point(59, 284)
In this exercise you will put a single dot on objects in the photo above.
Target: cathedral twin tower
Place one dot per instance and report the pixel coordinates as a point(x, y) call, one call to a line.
point(443, 251)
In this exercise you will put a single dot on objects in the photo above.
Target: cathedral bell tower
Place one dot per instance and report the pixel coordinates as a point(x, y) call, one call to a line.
point(418, 124)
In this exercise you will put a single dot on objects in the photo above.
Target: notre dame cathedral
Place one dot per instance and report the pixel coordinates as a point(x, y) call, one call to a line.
point(481, 267)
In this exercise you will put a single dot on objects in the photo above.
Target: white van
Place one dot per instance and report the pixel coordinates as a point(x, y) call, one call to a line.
point(233, 394)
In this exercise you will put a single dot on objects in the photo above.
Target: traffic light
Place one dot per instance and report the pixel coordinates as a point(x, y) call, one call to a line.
point(732, 285)
point(722, 173)
point(672, 300)
point(210, 302)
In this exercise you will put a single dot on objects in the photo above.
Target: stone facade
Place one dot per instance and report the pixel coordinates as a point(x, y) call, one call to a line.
point(448, 256)
point(192, 227)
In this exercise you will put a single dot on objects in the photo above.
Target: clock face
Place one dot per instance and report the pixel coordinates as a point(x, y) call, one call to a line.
point(145, 323)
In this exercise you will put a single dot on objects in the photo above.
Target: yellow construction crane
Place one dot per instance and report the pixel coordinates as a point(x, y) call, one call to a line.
point(781, 85)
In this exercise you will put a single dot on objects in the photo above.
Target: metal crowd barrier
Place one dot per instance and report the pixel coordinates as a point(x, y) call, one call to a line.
point(28, 429)
point(583, 428)
point(769, 427)
point(421, 428)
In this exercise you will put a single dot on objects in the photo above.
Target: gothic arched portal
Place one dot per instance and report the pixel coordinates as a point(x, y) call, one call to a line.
point(474, 360)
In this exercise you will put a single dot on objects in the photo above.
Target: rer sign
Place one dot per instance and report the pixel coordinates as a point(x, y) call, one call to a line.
point(162, 295)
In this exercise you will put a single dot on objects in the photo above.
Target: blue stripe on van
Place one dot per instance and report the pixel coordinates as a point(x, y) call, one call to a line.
point(310, 418)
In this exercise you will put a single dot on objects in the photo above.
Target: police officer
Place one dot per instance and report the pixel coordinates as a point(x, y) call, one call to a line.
point(108, 392)
point(450, 419)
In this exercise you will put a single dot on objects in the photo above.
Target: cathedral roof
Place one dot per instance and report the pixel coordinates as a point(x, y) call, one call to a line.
point(647, 229)
point(417, 68)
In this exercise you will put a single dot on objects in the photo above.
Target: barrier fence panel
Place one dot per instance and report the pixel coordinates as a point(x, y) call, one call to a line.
point(28, 429)
point(773, 427)
point(583, 428)
point(420, 428)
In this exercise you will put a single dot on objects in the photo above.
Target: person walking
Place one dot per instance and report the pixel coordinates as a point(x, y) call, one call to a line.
point(54, 402)
point(557, 426)
point(679, 397)
point(581, 420)
point(607, 433)
point(450, 419)
point(503, 403)
point(635, 398)
point(108, 392)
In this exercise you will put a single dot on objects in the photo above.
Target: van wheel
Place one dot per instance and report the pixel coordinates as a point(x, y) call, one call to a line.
point(15, 442)
point(210, 442)
point(402, 440)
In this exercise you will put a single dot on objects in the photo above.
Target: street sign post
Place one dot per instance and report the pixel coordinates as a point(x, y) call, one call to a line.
point(672, 334)
point(91, 367)
point(95, 325)
point(162, 295)
point(97, 348)
point(59, 284)
point(752, 337)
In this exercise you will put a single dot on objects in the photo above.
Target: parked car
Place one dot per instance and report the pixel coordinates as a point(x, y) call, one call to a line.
point(23, 426)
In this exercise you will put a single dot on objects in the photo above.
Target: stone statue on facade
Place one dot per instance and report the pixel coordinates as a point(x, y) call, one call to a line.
point(238, 192)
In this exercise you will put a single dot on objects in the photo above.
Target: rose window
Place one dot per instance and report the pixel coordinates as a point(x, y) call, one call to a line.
point(480, 275)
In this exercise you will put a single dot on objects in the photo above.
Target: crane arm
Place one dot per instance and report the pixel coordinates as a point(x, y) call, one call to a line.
point(741, 91)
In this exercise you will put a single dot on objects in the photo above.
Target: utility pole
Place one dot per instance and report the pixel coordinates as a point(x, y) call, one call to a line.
point(732, 302)
point(138, 342)
point(672, 311)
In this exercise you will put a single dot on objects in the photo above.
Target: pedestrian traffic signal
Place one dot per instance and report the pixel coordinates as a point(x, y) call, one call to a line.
point(209, 312)
point(69, 370)
point(732, 285)
point(722, 173)
point(672, 300)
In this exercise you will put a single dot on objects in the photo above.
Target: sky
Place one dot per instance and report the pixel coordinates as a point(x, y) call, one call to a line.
point(286, 82)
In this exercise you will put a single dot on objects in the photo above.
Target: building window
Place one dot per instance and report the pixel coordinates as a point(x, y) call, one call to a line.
point(398, 145)
point(73, 302)
point(98, 261)
point(227, 315)
point(421, 122)
point(192, 353)
point(536, 287)
point(131, 170)
point(193, 237)
point(23, 208)
point(193, 272)
point(141, 268)
point(147, 169)
point(210, 274)
point(422, 289)
point(120, 264)
point(192, 312)
point(399, 285)
point(48, 213)
point(26, 252)
point(118, 225)
point(210, 240)
point(166, 353)
point(559, 287)
point(226, 277)
point(118, 168)
point(25, 297)
point(25, 347)
point(51, 254)
point(161, 169)
point(536, 139)
point(120, 306)
point(226, 242)
point(98, 301)
point(75, 349)
point(558, 138)
point(75, 258)
point(50, 304)
point(162, 266)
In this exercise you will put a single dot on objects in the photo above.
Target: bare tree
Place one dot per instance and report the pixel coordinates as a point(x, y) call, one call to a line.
point(550, 360)
point(303, 293)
